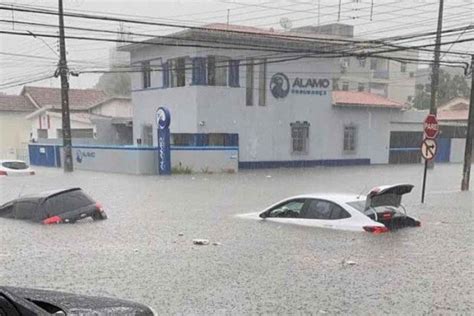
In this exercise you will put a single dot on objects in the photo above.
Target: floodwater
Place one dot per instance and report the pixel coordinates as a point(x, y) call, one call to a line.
point(258, 267)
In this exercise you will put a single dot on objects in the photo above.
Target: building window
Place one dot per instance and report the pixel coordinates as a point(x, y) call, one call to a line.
point(182, 139)
point(360, 87)
point(42, 133)
point(345, 86)
point(300, 137)
point(147, 135)
point(335, 84)
point(249, 82)
point(178, 72)
point(350, 138)
point(362, 62)
point(216, 139)
point(234, 73)
point(217, 70)
point(379, 88)
point(403, 67)
point(146, 74)
point(373, 64)
point(199, 71)
point(166, 74)
point(262, 82)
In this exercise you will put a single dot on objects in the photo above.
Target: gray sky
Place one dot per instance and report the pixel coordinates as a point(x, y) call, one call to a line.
point(385, 18)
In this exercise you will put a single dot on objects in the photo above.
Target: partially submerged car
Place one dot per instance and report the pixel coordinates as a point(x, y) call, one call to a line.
point(52, 207)
point(16, 301)
point(379, 212)
point(15, 168)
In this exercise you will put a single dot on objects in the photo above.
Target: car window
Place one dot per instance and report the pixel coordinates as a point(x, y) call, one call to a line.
point(16, 165)
point(66, 202)
point(288, 209)
point(320, 209)
point(338, 212)
point(25, 209)
point(7, 211)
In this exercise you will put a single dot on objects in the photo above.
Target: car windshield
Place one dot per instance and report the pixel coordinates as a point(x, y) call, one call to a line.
point(224, 151)
point(16, 165)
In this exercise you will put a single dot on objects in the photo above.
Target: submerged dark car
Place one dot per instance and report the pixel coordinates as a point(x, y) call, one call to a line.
point(23, 301)
point(61, 206)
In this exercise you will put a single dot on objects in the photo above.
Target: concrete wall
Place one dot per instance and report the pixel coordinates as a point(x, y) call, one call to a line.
point(14, 135)
point(457, 149)
point(206, 159)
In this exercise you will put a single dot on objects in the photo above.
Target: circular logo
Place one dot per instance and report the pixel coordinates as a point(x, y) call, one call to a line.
point(163, 117)
point(79, 156)
point(279, 85)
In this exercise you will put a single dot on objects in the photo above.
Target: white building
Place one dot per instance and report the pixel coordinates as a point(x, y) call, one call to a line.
point(281, 107)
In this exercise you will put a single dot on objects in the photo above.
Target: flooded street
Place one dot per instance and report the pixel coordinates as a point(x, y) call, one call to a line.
point(258, 267)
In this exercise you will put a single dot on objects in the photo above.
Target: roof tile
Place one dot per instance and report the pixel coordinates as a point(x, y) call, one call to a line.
point(79, 99)
point(363, 99)
point(16, 103)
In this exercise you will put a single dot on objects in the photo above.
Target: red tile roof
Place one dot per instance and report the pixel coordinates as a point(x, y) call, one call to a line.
point(79, 99)
point(16, 103)
point(456, 109)
point(363, 99)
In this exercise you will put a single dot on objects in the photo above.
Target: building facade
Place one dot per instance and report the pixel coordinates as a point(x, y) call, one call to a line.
point(282, 110)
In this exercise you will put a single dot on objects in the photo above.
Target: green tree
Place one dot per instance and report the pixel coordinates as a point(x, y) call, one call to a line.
point(115, 83)
point(449, 88)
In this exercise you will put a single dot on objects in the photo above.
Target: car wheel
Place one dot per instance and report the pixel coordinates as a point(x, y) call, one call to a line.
point(99, 215)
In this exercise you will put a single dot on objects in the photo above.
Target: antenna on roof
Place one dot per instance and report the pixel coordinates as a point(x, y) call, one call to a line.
point(360, 193)
point(228, 16)
point(21, 191)
point(286, 23)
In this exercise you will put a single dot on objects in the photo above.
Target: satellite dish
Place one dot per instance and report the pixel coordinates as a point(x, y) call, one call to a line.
point(286, 23)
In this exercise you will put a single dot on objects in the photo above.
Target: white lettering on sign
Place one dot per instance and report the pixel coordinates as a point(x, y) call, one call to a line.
point(162, 152)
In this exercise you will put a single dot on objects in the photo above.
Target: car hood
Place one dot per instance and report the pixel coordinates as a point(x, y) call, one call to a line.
point(387, 195)
point(76, 304)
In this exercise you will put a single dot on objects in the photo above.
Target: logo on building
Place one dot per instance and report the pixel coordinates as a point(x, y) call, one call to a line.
point(79, 156)
point(279, 85)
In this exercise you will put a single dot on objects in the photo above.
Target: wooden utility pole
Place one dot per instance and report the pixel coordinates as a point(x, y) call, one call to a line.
point(466, 171)
point(64, 73)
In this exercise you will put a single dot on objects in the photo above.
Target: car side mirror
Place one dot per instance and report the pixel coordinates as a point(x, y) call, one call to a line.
point(264, 215)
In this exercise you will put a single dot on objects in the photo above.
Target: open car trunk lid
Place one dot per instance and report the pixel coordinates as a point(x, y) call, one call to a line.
point(387, 195)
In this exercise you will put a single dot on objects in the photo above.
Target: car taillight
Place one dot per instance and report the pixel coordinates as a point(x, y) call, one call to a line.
point(376, 229)
point(3, 173)
point(32, 173)
point(52, 220)
point(99, 206)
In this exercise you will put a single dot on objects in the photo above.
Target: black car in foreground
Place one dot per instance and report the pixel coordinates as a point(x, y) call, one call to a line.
point(52, 207)
point(16, 301)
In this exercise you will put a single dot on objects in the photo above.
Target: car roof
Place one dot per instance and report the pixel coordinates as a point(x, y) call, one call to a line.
point(47, 194)
point(11, 160)
point(335, 197)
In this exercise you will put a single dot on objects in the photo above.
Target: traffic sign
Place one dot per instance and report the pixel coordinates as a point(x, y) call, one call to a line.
point(428, 148)
point(431, 126)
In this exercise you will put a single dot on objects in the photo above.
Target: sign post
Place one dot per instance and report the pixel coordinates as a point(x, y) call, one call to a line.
point(428, 146)
point(163, 120)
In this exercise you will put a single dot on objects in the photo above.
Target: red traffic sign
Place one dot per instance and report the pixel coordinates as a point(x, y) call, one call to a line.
point(431, 126)
point(428, 148)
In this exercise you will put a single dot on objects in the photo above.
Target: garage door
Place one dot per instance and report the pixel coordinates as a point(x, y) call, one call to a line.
point(405, 147)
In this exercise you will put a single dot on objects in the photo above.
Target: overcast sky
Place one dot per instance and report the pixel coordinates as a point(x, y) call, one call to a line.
point(385, 18)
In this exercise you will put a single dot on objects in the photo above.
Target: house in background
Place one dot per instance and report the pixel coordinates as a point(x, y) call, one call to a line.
point(452, 117)
point(95, 118)
point(15, 129)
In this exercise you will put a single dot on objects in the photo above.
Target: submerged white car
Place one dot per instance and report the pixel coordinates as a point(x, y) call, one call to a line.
point(380, 211)
point(15, 168)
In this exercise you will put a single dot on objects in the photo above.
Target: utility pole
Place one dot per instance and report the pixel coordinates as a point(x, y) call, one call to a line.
point(64, 73)
point(434, 87)
point(466, 171)
point(435, 70)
